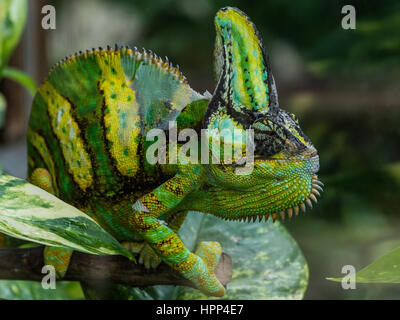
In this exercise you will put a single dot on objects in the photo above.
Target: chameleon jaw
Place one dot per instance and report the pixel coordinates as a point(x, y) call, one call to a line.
point(316, 188)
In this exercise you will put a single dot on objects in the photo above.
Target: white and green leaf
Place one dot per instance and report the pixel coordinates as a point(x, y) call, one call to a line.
point(30, 213)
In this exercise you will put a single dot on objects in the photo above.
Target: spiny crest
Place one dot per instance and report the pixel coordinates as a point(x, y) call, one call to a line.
point(141, 55)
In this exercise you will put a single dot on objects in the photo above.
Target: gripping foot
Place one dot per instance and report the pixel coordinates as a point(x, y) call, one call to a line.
point(210, 252)
point(147, 256)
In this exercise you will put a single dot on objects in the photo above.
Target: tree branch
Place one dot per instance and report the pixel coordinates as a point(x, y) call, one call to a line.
point(26, 264)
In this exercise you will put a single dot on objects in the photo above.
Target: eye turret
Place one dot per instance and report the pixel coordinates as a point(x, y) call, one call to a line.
point(269, 137)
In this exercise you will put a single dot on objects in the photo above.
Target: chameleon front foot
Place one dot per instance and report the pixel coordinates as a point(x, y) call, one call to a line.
point(202, 266)
point(147, 255)
point(210, 252)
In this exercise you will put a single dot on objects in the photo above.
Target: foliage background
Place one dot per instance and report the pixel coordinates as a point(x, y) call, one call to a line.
point(343, 85)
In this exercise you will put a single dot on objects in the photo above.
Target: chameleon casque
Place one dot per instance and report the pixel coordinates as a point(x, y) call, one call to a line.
point(86, 145)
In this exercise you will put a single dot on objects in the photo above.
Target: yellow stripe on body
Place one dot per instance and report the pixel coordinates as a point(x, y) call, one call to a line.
point(122, 119)
point(68, 134)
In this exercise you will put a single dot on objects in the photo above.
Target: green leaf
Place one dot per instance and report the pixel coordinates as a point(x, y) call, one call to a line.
point(386, 269)
point(30, 213)
point(22, 78)
point(267, 262)
point(12, 21)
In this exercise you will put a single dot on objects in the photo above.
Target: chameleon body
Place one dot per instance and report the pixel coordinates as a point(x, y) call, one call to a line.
point(86, 145)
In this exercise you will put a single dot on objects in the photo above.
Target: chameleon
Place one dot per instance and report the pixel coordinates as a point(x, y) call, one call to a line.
point(87, 145)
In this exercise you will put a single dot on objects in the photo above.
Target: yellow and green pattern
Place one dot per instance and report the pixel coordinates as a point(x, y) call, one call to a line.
point(87, 145)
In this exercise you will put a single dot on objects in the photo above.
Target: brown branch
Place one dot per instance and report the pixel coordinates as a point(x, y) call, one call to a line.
point(26, 264)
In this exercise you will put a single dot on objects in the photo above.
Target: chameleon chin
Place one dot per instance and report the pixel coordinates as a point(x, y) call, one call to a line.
point(87, 146)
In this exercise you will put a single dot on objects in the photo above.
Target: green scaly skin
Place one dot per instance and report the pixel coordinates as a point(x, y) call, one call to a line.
point(86, 144)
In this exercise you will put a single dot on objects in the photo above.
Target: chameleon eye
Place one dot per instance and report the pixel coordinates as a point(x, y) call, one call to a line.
point(294, 118)
point(269, 137)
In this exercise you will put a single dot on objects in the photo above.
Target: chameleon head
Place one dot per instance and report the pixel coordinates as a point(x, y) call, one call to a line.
point(285, 164)
point(283, 179)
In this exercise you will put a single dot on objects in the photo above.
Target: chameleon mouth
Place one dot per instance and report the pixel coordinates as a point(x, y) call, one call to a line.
point(316, 188)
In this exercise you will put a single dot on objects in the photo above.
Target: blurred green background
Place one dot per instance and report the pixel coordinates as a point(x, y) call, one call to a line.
point(343, 85)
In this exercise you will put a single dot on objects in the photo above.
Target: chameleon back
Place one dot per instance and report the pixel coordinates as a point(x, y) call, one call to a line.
point(89, 118)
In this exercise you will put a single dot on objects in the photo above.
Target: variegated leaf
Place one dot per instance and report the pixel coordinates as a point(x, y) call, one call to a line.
point(267, 262)
point(30, 213)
